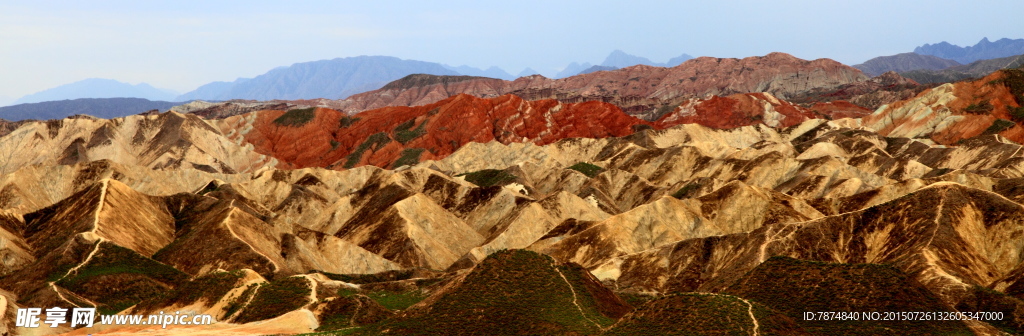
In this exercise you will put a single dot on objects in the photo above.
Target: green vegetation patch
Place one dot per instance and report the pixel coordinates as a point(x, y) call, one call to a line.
point(119, 278)
point(998, 126)
point(277, 298)
point(686, 191)
point(794, 286)
point(339, 313)
point(296, 117)
point(983, 107)
point(347, 121)
point(390, 299)
point(663, 110)
point(239, 301)
point(210, 288)
point(371, 278)
point(397, 300)
point(588, 169)
point(1017, 113)
point(703, 314)
point(981, 299)
point(508, 293)
point(489, 177)
point(1014, 81)
point(377, 140)
point(410, 156)
point(403, 133)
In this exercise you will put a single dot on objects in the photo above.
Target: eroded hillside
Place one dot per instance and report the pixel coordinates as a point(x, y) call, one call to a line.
point(427, 219)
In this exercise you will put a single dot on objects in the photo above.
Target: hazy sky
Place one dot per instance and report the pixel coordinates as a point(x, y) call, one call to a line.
point(180, 45)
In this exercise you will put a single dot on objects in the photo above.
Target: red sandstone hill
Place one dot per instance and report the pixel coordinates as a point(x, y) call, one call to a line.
point(754, 108)
point(956, 111)
point(638, 90)
point(395, 136)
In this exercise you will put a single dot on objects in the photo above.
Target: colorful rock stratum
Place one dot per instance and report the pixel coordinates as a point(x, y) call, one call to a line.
point(702, 201)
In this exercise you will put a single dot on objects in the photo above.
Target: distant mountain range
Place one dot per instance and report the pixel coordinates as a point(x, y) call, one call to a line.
point(98, 88)
point(985, 49)
point(527, 72)
point(492, 72)
point(616, 60)
point(961, 72)
point(620, 59)
point(97, 107)
point(597, 68)
point(904, 62)
point(333, 79)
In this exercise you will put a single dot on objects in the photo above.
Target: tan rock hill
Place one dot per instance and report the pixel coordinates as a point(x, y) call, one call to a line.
point(945, 236)
point(168, 140)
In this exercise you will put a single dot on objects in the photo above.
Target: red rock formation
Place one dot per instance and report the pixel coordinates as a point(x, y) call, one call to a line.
point(638, 90)
point(839, 109)
point(393, 136)
point(381, 137)
point(956, 111)
point(753, 108)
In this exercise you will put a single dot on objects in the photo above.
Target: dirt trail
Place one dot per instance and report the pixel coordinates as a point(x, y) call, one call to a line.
point(574, 298)
point(750, 311)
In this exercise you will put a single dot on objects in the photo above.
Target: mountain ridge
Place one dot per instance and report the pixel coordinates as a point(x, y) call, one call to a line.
point(982, 50)
point(904, 62)
point(334, 78)
point(98, 88)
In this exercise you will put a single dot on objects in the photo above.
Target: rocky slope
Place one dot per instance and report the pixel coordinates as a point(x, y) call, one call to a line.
point(167, 140)
point(638, 90)
point(886, 88)
point(953, 112)
point(973, 70)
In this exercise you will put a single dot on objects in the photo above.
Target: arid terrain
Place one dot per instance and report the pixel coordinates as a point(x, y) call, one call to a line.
point(720, 196)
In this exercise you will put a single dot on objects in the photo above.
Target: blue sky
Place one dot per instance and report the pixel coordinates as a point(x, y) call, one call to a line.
point(180, 45)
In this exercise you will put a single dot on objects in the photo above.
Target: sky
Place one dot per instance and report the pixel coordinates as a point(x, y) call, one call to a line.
point(180, 45)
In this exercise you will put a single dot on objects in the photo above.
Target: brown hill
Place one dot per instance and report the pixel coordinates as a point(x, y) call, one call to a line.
point(638, 90)
point(513, 293)
point(904, 62)
point(795, 286)
point(886, 88)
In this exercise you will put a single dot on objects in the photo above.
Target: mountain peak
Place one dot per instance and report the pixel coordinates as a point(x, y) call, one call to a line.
point(621, 59)
point(333, 79)
point(98, 88)
point(527, 72)
point(983, 50)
